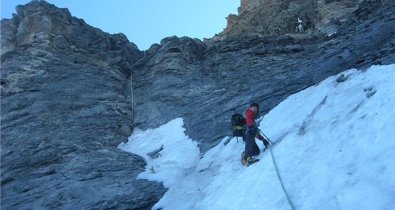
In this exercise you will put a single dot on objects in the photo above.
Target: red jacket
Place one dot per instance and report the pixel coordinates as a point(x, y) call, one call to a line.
point(250, 120)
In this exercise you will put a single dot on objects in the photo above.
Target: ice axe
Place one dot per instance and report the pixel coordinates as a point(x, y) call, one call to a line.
point(266, 138)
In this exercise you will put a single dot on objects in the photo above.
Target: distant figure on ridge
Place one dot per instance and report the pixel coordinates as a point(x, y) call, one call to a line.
point(299, 27)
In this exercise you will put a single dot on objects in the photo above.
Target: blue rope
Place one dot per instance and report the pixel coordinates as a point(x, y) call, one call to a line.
point(278, 173)
point(281, 181)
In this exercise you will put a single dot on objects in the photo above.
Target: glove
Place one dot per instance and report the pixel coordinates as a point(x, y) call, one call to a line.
point(266, 143)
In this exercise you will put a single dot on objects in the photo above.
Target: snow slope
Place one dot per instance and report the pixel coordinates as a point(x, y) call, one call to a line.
point(335, 149)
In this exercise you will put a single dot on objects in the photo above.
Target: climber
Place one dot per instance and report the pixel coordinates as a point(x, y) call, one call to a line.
point(252, 132)
point(299, 27)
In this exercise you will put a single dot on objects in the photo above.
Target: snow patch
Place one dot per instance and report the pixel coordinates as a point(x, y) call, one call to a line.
point(335, 150)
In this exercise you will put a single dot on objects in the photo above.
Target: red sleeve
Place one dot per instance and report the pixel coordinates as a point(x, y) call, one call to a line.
point(250, 117)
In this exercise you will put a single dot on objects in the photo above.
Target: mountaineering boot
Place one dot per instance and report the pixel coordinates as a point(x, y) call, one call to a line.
point(243, 160)
point(246, 161)
point(250, 160)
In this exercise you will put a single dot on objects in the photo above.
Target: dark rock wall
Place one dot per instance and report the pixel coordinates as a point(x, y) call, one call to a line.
point(275, 17)
point(71, 93)
point(204, 81)
point(65, 107)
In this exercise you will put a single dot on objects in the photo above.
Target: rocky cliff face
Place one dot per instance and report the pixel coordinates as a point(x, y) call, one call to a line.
point(204, 81)
point(65, 106)
point(270, 17)
point(71, 93)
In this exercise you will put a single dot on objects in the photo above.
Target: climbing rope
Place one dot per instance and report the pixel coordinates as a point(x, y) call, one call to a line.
point(132, 94)
point(278, 173)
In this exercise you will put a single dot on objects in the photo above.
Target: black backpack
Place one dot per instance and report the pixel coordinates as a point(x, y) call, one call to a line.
point(238, 124)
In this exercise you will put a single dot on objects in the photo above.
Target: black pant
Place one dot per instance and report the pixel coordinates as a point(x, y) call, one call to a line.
point(251, 148)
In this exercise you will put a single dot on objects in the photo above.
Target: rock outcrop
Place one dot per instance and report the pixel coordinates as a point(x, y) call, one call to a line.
point(205, 81)
point(65, 107)
point(271, 17)
point(71, 93)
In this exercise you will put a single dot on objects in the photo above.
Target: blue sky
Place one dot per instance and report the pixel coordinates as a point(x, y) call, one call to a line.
point(146, 22)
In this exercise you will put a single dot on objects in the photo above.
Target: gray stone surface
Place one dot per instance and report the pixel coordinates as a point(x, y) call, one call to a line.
point(268, 17)
point(66, 99)
point(65, 107)
point(204, 81)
